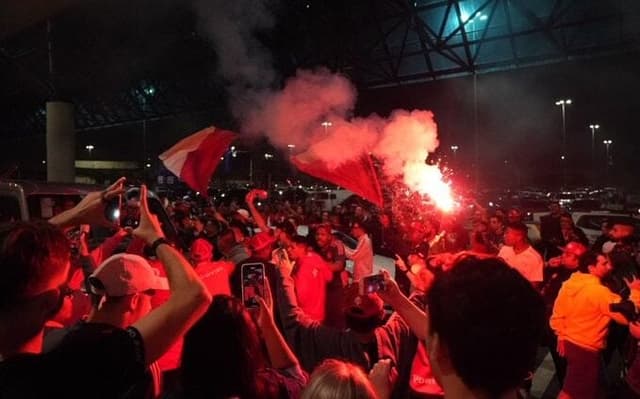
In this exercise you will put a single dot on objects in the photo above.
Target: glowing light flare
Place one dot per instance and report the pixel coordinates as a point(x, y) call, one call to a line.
point(429, 180)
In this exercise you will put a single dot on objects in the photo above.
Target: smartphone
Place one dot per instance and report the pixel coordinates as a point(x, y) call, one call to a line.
point(129, 206)
point(252, 283)
point(373, 283)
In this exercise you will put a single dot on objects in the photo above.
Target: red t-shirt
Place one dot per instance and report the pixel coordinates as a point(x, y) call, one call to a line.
point(311, 277)
point(215, 276)
point(422, 380)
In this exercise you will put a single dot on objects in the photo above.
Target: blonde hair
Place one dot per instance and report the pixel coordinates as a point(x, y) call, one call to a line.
point(335, 379)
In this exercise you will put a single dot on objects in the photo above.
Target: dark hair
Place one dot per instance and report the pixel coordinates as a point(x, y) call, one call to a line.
point(491, 319)
point(222, 355)
point(226, 240)
point(287, 227)
point(589, 258)
point(360, 225)
point(518, 226)
point(31, 253)
point(299, 239)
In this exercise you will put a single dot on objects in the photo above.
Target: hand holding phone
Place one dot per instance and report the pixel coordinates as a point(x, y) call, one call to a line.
point(372, 284)
point(253, 284)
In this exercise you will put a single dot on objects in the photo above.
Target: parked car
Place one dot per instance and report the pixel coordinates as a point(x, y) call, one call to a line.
point(591, 222)
point(34, 200)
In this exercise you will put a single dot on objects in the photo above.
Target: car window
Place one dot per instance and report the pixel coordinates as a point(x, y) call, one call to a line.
point(594, 222)
point(45, 206)
point(348, 241)
point(9, 209)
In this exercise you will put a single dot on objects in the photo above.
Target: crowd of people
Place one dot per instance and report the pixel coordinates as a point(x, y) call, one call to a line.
point(260, 299)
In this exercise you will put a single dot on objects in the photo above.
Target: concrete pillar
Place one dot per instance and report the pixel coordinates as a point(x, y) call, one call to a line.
point(61, 142)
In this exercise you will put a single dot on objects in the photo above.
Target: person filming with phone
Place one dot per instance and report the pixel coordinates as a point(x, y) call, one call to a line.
point(367, 338)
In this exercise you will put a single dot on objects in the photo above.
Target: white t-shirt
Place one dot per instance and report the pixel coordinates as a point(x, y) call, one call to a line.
point(528, 262)
point(362, 257)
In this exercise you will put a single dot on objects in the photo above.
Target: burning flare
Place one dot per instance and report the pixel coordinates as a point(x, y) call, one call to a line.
point(428, 179)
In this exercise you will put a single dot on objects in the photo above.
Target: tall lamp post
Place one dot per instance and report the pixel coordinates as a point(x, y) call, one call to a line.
point(455, 148)
point(326, 125)
point(89, 148)
point(593, 128)
point(607, 143)
point(562, 104)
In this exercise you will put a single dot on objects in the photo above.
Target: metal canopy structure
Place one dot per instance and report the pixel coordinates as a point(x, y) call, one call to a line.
point(400, 41)
point(123, 61)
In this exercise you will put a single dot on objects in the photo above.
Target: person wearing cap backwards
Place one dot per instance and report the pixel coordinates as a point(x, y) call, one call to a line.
point(260, 246)
point(103, 363)
point(124, 284)
point(366, 340)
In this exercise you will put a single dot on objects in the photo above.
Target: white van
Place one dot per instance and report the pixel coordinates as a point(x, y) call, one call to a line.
point(33, 200)
point(327, 199)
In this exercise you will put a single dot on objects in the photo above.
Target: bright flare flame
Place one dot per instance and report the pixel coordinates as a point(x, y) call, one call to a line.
point(428, 179)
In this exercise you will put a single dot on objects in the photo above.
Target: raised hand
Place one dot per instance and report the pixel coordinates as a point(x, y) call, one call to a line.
point(391, 292)
point(91, 209)
point(383, 377)
point(149, 228)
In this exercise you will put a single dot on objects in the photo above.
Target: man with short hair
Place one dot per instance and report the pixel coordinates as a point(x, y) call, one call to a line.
point(580, 319)
point(366, 339)
point(621, 238)
point(332, 251)
point(558, 270)
point(34, 267)
point(311, 275)
point(495, 235)
point(520, 255)
point(478, 344)
point(362, 255)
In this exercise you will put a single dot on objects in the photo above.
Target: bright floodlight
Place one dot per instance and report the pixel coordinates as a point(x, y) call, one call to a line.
point(454, 148)
point(291, 145)
point(607, 142)
point(594, 126)
point(564, 102)
point(326, 124)
point(89, 147)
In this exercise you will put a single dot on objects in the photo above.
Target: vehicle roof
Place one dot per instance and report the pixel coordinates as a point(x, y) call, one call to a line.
point(31, 187)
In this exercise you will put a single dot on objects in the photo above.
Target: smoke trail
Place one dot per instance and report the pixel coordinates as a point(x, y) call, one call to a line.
point(293, 116)
point(402, 141)
point(243, 61)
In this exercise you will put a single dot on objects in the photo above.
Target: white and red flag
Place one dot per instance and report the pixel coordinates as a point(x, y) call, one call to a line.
point(195, 158)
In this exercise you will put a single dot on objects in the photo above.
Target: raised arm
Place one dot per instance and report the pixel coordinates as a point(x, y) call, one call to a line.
point(189, 298)
point(412, 314)
point(91, 209)
point(280, 355)
point(257, 216)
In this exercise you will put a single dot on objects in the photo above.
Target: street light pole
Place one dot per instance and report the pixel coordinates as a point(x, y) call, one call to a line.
point(607, 143)
point(593, 128)
point(89, 148)
point(454, 148)
point(563, 103)
point(326, 125)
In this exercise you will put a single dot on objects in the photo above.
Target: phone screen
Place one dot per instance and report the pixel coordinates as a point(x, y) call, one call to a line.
point(129, 206)
point(373, 283)
point(252, 283)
